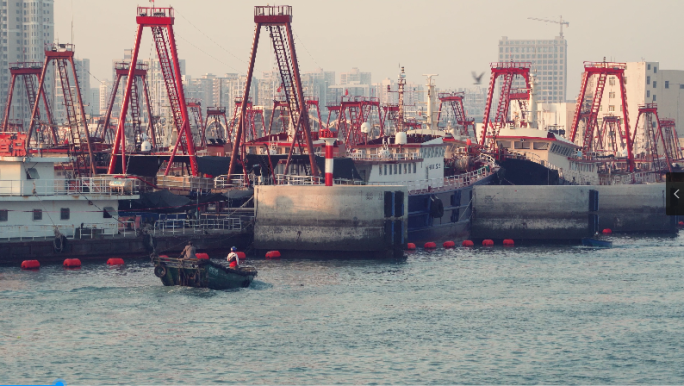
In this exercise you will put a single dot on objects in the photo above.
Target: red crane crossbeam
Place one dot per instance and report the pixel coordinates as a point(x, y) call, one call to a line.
point(353, 113)
point(654, 137)
point(160, 21)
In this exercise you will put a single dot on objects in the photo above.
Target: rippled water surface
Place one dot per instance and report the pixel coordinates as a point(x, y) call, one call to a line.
point(558, 314)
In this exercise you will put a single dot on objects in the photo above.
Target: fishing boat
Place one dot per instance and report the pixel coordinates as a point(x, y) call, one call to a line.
point(201, 273)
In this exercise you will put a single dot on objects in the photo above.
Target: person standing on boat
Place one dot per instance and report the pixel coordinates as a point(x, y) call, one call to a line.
point(189, 251)
point(233, 258)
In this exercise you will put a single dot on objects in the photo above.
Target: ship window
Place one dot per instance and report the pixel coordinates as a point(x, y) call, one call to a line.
point(4, 214)
point(390, 170)
point(385, 169)
point(399, 168)
point(395, 169)
point(108, 212)
point(64, 214)
point(540, 145)
point(414, 167)
point(505, 144)
point(37, 214)
point(32, 174)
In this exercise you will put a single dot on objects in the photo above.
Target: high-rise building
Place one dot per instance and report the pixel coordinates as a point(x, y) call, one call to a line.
point(25, 28)
point(549, 60)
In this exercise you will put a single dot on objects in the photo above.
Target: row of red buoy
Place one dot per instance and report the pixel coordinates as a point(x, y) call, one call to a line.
point(465, 243)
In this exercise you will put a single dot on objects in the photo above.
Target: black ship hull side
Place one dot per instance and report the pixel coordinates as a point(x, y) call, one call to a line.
point(453, 224)
point(526, 172)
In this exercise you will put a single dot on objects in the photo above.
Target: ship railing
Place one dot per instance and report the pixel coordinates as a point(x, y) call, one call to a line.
point(282, 179)
point(206, 223)
point(646, 177)
point(237, 181)
point(109, 186)
point(446, 183)
point(575, 177)
point(386, 157)
point(70, 231)
point(185, 183)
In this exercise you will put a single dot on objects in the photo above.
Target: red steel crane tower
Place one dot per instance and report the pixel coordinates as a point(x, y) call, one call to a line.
point(653, 137)
point(214, 127)
point(160, 21)
point(122, 70)
point(30, 73)
point(507, 71)
point(588, 106)
point(81, 151)
point(195, 110)
point(352, 114)
point(455, 110)
point(671, 138)
point(278, 19)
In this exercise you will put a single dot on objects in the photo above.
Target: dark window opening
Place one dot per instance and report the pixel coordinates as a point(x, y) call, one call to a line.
point(64, 214)
point(37, 214)
point(4, 214)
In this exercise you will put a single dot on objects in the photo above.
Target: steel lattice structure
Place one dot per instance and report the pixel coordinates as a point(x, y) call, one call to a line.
point(29, 73)
point(587, 109)
point(508, 71)
point(62, 55)
point(455, 109)
point(277, 20)
point(160, 21)
point(122, 69)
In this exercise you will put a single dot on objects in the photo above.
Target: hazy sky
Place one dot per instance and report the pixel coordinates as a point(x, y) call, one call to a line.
point(450, 38)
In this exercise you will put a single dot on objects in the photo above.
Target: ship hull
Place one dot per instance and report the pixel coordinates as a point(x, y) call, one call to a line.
point(454, 223)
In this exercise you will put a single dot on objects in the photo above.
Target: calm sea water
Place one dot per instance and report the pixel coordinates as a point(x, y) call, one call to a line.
point(556, 314)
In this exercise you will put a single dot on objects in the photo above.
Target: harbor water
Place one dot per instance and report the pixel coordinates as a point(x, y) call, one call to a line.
point(528, 314)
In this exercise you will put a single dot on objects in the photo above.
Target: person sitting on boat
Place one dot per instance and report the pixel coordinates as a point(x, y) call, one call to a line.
point(233, 258)
point(189, 251)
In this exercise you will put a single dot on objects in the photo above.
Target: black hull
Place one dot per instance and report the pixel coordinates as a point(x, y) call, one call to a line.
point(454, 224)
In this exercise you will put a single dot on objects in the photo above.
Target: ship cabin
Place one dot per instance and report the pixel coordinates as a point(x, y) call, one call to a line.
point(546, 148)
point(402, 159)
point(35, 202)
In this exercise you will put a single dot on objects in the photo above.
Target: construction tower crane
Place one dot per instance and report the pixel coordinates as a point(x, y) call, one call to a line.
point(561, 22)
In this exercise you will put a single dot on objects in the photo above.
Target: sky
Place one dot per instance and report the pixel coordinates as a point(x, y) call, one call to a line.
point(451, 38)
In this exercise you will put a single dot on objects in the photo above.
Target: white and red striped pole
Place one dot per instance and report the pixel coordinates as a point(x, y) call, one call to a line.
point(329, 142)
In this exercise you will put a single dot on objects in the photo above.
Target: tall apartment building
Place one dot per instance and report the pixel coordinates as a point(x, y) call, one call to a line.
point(25, 27)
point(549, 60)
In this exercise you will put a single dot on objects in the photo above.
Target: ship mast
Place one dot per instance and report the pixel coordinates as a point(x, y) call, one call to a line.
point(400, 83)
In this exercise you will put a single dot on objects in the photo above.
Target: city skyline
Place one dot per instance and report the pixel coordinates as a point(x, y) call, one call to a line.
point(218, 42)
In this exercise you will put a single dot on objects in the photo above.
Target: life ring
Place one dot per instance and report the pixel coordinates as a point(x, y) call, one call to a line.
point(437, 208)
point(160, 271)
point(59, 243)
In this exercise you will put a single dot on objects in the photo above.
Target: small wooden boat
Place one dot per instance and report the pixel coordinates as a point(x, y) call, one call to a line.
point(589, 242)
point(201, 273)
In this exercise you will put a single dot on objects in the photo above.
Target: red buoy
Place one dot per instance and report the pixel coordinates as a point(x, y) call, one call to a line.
point(681, 223)
point(467, 243)
point(488, 242)
point(411, 246)
point(202, 255)
point(241, 255)
point(430, 245)
point(72, 263)
point(607, 231)
point(508, 242)
point(30, 264)
point(270, 255)
point(449, 244)
point(115, 261)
